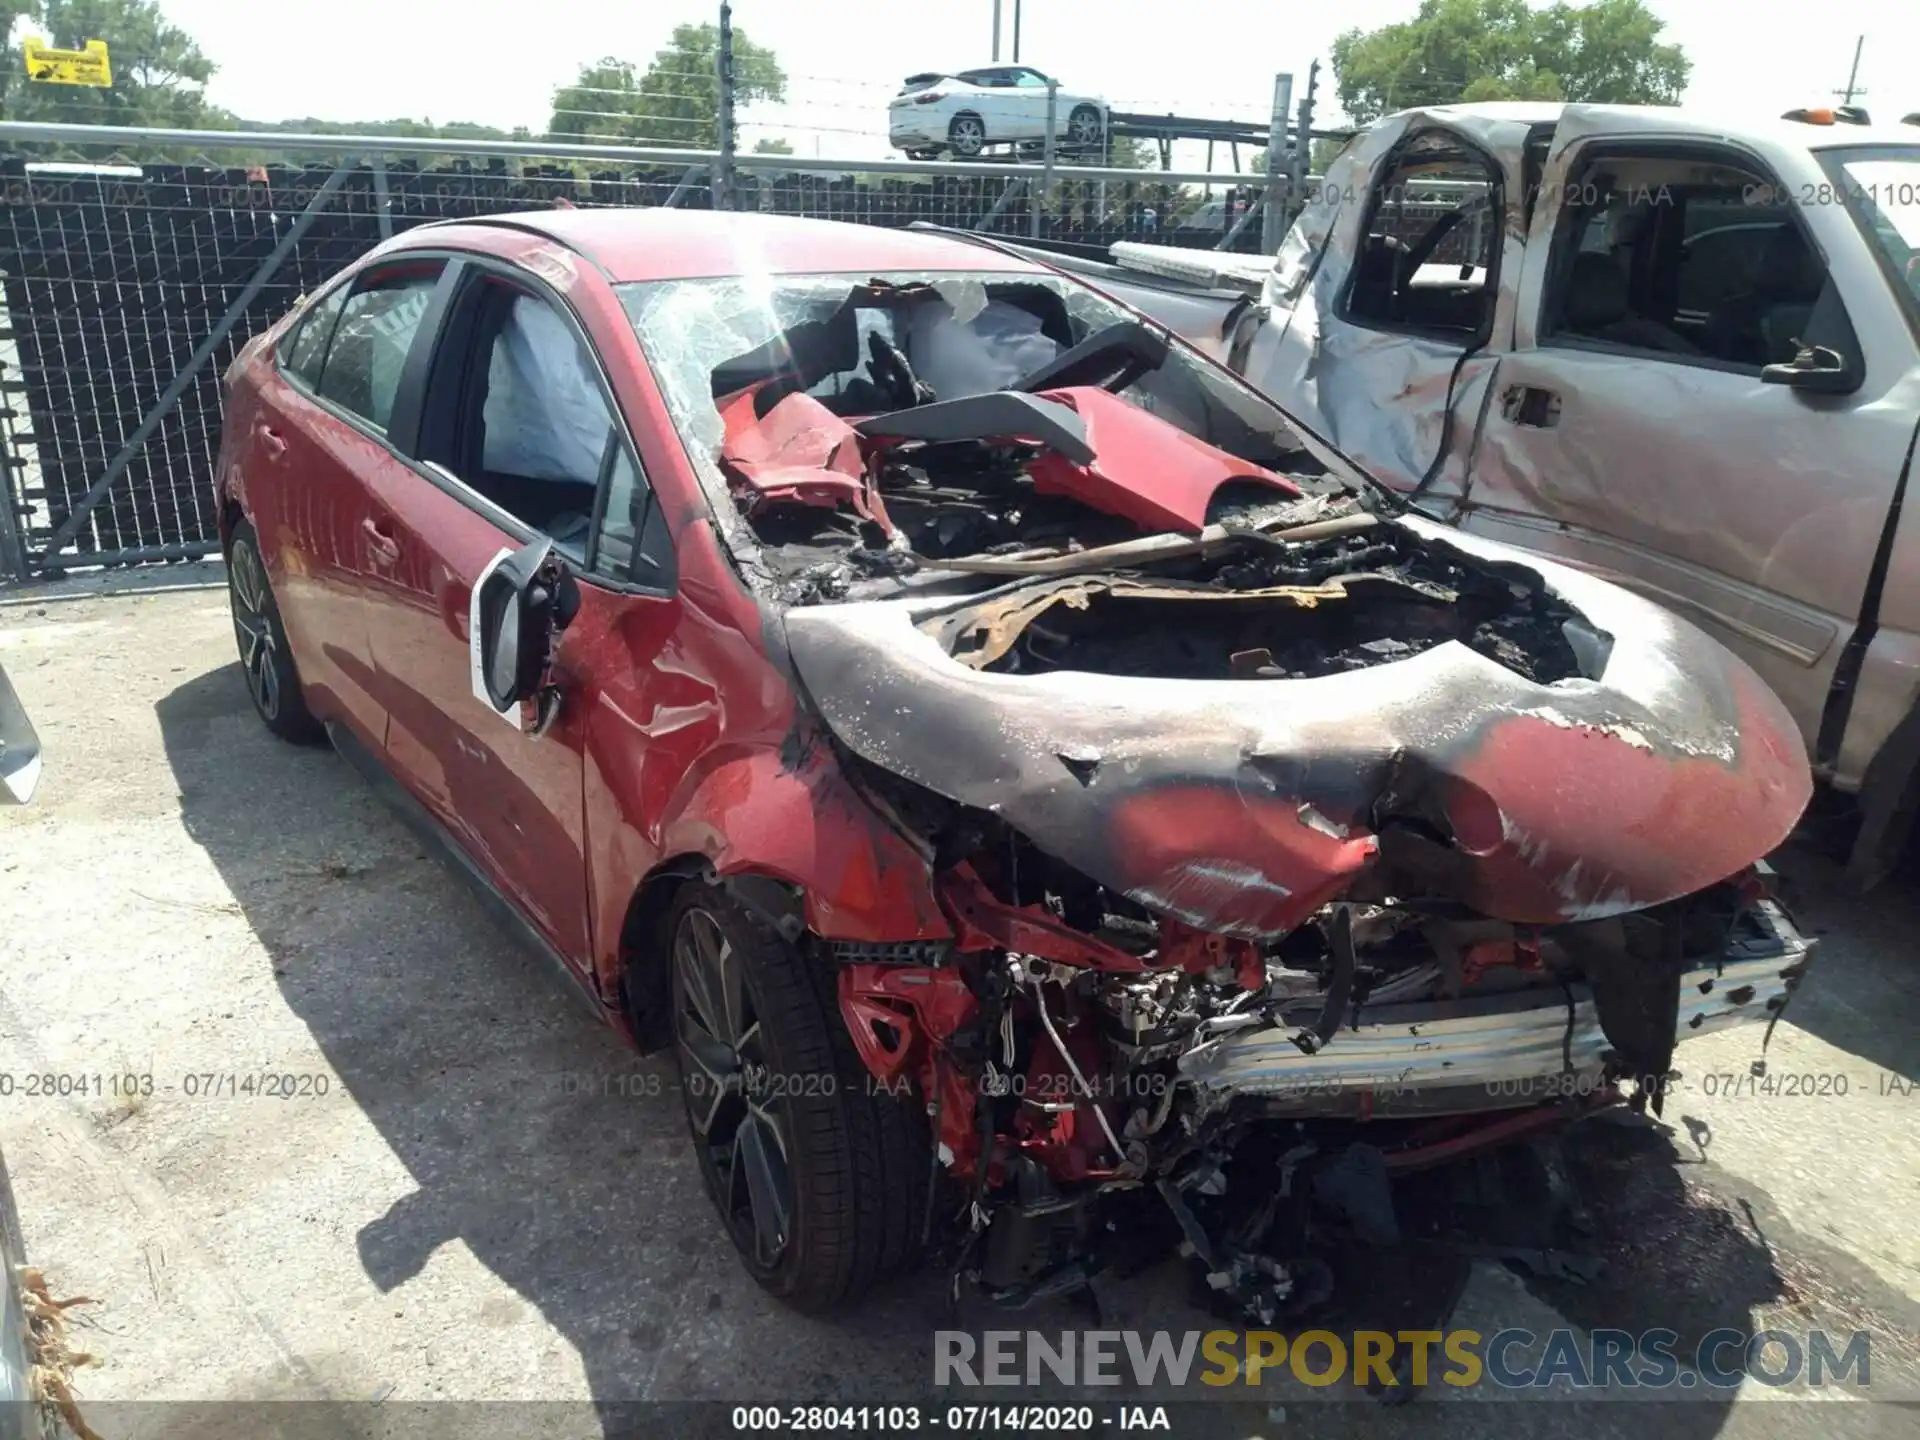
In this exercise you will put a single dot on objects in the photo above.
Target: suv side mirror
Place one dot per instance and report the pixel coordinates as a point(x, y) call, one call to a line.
point(520, 606)
point(1817, 368)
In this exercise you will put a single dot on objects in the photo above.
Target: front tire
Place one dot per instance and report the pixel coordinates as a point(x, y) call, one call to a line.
point(272, 682)
point(819, 1180)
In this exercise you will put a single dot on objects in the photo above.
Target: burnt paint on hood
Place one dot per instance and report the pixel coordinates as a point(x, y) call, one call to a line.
point(1241, 806)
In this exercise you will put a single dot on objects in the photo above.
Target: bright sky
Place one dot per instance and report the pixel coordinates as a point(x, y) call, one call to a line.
point(498, 61)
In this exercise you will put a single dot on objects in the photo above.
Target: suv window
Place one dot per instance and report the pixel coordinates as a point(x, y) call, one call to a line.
point(1693, 257)
point(523, 419)
point(370, 344)
point(304, 350)
point(1431, 250)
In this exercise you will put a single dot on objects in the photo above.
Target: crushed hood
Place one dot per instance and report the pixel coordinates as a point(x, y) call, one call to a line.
point(1240, 806)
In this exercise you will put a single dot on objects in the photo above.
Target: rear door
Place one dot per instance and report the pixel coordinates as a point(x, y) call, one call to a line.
point(996, 101)
point(1632, 432)
point(314, 448)
point(516, 439)
point(1396, 323)
point(1026, 106)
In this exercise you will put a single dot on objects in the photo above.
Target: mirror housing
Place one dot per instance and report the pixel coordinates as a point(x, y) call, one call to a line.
point(522, 605)
point(1819, 369)
point(19, 748)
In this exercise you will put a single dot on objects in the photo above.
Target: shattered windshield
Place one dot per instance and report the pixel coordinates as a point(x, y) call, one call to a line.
point(869, 425)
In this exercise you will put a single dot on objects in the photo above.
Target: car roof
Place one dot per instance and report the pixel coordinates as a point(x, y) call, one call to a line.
point(656, 243)
point(1733, 124)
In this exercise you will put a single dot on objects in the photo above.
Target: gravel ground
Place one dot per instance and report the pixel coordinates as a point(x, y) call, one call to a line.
point(476, 1195)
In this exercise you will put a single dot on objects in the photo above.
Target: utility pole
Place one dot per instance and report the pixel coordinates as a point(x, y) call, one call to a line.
point(1273, 220)
point(1016, 32)
point(723, 170)
point(1854, 87)
point(1302, 150)
point(996, 32)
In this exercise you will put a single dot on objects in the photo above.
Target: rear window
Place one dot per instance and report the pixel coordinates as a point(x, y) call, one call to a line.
point(303, 353)
point(370, 344)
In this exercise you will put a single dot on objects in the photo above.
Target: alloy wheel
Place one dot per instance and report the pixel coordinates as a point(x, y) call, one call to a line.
point(253, 628)
point(726, 1078)
point(969, 136)
point(1084, 128)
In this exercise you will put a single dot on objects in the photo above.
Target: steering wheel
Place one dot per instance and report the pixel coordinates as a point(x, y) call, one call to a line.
point(892, 375)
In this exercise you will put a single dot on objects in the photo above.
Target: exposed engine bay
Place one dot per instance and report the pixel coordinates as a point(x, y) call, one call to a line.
point(1069, 1098)
point(1248, 801)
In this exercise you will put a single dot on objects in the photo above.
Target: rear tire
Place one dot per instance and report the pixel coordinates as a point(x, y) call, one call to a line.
point(272, 682)
point(967, 135)
point(820, 1180)
point(1085, 128)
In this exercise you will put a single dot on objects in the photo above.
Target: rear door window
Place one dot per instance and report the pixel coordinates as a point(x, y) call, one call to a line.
point(302, 354)
point(376, 329)
point(1432, 246)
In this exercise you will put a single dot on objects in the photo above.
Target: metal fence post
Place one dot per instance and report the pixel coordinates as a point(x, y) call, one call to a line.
point(202, 352)
point(382, 198)
point(1045, 197)
point(1273, 226)
point(13, 550)
point(723, 176)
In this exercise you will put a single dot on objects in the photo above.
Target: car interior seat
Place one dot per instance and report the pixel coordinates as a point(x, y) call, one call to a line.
point(1598, 306)
point(1760, 326)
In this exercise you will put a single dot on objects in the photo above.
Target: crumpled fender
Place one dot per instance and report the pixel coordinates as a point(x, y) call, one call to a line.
point(795, 818)
point(1240, 806)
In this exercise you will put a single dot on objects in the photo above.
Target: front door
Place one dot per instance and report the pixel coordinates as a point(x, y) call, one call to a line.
point(516, 440)
point(1633, 434)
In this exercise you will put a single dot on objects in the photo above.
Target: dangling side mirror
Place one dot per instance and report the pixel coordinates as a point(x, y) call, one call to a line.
point(523, 600)
point(1817, 368)
point(19, 748)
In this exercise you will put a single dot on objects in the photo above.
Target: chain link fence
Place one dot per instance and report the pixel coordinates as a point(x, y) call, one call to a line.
point(129, 285)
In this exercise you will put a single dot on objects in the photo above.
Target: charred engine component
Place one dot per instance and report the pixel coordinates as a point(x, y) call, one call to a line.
point(1285, 610)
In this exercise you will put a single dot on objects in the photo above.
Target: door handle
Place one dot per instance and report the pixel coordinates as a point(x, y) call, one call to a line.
point(380, 538)
point(1531, 406)
point(271, 439)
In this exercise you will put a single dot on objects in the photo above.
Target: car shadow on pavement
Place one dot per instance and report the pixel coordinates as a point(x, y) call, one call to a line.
point(1862, 994)
point(532, 1138)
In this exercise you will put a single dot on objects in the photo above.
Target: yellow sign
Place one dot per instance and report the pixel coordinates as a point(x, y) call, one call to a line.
point(68, 67)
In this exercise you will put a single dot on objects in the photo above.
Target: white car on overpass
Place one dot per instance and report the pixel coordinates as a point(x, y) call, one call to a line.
point(964, 111)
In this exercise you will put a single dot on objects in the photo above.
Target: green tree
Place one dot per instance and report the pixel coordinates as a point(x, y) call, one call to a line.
point(159, 72)
point(1471, 50)
point(773, 145)
point(676, 101)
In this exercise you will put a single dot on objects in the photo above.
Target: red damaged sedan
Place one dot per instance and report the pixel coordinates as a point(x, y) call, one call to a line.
point(1008, 760)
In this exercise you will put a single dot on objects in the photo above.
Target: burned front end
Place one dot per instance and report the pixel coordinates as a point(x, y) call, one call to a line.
point(1245, 798)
